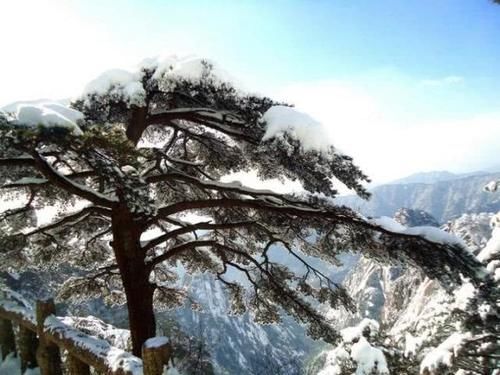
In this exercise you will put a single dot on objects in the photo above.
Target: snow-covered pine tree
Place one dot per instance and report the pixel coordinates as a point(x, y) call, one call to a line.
point(150, 150)
point(471, 343)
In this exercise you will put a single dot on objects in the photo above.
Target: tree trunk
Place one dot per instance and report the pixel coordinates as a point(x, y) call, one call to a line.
point(135, 277)
point(137, 124)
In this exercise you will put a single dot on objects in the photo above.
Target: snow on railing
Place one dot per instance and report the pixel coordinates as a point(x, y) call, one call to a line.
point(42, 336)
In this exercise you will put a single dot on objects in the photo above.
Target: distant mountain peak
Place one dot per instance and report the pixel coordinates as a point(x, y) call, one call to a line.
point(444, 200)
point(433, 177)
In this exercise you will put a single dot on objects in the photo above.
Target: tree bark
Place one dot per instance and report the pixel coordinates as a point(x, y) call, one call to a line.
point(48, 355)
point(7, 339)
point(135, 277)
point(28, 343)
point(137, 124)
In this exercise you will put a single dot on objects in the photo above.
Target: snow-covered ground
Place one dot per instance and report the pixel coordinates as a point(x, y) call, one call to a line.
point(12, 366)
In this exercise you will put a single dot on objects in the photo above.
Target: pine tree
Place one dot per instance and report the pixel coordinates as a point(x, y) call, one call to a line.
point(151, 149)
point(471, 338)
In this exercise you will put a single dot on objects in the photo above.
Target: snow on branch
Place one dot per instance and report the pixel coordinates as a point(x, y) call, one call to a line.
point(282, 119)
point(119, 85)
point(492, 186)
point(45, 114)
point(433, 253)
point(443, 355)
point(172, 68)
point(234, 187)
point(38, 182)
point(430, 233)
point(369, 359)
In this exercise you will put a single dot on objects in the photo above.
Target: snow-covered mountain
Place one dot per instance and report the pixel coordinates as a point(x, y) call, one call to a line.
point(436, 176)
point(413, 310)
point(445, 200)
point(236, 343)
point(393, 295)
point(239, 345)
point(383, 292)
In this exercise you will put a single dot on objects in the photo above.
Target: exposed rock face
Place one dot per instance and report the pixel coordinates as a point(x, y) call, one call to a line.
point(474, 229)
point(415, 218)
point(381, 291)
point(395, 295)
point(237, 343)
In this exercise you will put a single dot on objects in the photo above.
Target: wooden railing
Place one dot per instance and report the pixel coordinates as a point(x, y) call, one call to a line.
point(41, 336)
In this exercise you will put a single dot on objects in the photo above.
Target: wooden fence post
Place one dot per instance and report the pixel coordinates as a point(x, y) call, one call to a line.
point(7, 338)
point(27, 348)
point(47, 354)
point(156, 353)
point(77, 367)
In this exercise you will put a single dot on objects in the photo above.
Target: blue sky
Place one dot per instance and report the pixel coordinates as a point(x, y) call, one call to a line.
point(378, 73)
point(306, 40)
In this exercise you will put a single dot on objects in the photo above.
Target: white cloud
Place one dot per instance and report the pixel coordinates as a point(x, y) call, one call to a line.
point(49, 50)
point(449, 80)
point(44, 50)
point(52, 48)
point(386, 146)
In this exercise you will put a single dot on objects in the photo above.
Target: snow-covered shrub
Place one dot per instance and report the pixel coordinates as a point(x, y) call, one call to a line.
point(357, 353)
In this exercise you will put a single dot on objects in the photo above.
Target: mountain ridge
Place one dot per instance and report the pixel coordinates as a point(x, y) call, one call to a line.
point(445, 200)
point(431, 177)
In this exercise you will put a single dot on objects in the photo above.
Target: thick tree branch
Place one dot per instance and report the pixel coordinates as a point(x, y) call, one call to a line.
point(428, 254)
point(220, 122)
point(192, 228)
point(19, 210)
point(176, 250)
point(335, 214)
point(39, 182)
point(70, 186)
point(221, 117)
point(20, 161)
point(71, 219)
point(221, 186)
point(97, 236)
